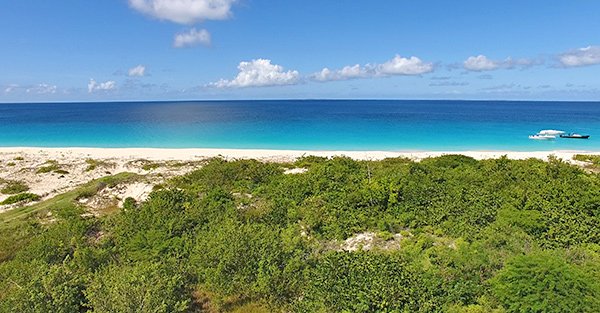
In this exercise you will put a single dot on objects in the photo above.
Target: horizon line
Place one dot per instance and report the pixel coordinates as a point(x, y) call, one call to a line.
point(293, 99)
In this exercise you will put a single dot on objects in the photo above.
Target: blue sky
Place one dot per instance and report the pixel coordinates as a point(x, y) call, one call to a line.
point(73, 50)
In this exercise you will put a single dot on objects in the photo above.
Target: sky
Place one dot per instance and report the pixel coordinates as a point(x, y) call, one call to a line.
point(112, 50)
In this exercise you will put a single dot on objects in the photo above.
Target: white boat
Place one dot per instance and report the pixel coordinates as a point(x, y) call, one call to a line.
point(542, 137)
point(553, 132)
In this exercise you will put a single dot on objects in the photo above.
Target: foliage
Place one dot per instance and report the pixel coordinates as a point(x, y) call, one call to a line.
point(143, 287)
point(363, 282)
point(51, 166)
point(21, 197)
point(544, 282)
point(94, 164)
point(12, 187)
point(594, 159)
point(233, 236)
point(36, 287)
point(66, 202)
point(592, 162)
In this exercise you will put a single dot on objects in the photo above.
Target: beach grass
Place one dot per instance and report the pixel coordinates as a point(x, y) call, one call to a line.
point(94, 164)
point(594, 159)
point(21, 197)
point(13, 187)
point(52, 165)
point(150, 166)
point(66, 200)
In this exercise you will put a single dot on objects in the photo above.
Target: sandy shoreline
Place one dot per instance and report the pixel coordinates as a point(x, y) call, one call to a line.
point(186, 154)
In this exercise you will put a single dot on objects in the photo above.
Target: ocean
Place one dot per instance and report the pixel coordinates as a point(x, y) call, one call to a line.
point(395, 125)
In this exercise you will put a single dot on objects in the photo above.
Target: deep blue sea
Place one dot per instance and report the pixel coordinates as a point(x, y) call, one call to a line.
point(301, 124)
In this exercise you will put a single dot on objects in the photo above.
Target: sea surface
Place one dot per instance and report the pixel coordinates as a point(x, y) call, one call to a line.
point(302, 124)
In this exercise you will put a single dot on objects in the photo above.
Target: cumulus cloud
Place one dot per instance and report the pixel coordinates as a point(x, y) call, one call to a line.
point(193, 37)
point(482, 63)
point(138, 71)
point(259, 73)
point(396, 66)
point(347, 72)
point(42, 89)
point(589, 55)
point(104, 86)
point(184, 11)
point(404, 66)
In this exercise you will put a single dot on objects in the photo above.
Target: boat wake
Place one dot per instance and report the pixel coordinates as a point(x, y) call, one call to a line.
point(552, 132)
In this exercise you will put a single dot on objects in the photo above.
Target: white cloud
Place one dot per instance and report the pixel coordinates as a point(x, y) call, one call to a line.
point(139, 71)
point(480, 63)
point(185, 11)
point(396, 66)
point(10, 88)
point(404, 66)
point(95, 86)
point(522, 63)
point(581, 57)
point(192, 38)
point(42, 89)
point(347, 72)
point(259, 73)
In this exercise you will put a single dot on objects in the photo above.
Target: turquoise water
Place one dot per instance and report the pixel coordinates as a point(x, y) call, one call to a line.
point(296, 124)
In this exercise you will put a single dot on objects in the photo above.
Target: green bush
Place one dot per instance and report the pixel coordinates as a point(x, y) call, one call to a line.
point(22, 197)
point(143, 287)
point(241, 235)
point(13, 187)
point(545, 282)
point(594, 159)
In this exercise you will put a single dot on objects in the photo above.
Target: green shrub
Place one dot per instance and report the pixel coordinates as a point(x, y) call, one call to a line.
point(545, 282)
point(22, 197)
point(143, 287)
point(52, 166)
point(94, 164)
point(13, 187)
point(593, 159)
point(236, 236)
point(150, 166)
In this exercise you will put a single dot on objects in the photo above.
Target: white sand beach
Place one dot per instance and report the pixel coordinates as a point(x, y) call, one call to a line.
point(155, 165)
point(186, 154)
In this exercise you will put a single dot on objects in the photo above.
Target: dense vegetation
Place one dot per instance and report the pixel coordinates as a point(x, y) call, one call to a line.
point(475, 236)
